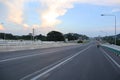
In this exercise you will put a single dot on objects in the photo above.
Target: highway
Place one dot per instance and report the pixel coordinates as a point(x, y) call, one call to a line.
point(80, 62)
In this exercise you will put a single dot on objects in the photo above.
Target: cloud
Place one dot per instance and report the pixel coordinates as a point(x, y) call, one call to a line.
point(1, 27)
point(52, 9)
point(15, 8)
point(116, 10)
point(26, 26)
point(101, 2)
point(35, 26)
point(29, 28)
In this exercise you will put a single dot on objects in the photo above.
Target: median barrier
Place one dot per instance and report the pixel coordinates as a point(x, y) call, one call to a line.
point(116, 51)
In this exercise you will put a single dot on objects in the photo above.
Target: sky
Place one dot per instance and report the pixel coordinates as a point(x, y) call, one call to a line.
point(19, 17)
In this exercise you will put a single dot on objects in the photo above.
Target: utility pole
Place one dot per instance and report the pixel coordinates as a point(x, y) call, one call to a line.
point(33, 34)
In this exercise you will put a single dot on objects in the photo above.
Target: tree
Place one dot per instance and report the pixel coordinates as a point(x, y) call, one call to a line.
point(55, 36)
point(26, 37)
point(111, 39)
point(2, 35)
point(75, 36)
point(7, 36)
point(41, 37)
point(71, 36)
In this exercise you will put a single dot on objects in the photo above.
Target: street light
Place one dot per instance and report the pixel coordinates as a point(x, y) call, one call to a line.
point(115, 23)
point(33, 34)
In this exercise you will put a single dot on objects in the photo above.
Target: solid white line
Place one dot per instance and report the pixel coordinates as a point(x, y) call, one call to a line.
point(58, 65)
point(106, 54)
point(18, 58)
point(21, 57)
point(42, 69)
point(45, 68)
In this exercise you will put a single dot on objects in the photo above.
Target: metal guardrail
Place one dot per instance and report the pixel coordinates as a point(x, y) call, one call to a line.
point(117, 52)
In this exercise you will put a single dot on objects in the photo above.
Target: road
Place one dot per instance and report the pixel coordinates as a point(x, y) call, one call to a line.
point(80, 62)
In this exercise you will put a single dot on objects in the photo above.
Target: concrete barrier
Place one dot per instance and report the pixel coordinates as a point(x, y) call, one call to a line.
point(26, 45)
point(112, 48)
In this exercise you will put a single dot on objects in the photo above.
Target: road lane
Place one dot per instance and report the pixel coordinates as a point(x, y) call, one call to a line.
point(90, 65)
point(59, 64)
point(110, 58)
point(19, 54)
point(18, 68)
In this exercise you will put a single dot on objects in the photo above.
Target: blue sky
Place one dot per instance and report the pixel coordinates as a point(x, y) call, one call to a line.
point(87, 19)
point(77, 16)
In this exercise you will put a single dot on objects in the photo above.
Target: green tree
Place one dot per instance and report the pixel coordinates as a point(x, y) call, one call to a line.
point(71, 36)
point(55, 36)
point(41, 37)
point(7, 36)
point(75, 36)
point(111, 39)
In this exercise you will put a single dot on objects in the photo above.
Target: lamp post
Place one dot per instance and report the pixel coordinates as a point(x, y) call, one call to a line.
point(33, 33)
point(115, 23)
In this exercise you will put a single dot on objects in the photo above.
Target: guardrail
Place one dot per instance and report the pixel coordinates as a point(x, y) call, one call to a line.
point(116, 51)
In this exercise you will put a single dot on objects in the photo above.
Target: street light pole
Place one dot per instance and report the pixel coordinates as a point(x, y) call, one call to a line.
point(115, 30)
point(33, 33)
point(115, 24)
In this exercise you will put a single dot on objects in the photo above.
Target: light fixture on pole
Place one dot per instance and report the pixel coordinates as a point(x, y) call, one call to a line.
point(115, 23)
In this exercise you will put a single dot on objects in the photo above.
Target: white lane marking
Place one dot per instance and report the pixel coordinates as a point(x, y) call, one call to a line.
point(43, 69)
point(21, 57)
point(58, 65)
point(26, 56)
point(106, 54)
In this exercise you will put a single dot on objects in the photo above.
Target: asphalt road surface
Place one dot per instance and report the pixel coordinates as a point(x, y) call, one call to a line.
point(80, 62)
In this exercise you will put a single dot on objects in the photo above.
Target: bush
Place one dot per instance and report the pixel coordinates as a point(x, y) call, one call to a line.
point(118, 42)
point(80, 41)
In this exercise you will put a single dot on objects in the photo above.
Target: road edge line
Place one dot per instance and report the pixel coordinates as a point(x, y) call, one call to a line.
point(110, 58)
point(59, 64)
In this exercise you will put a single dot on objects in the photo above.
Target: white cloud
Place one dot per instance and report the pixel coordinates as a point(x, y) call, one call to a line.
point(116, 10)
point(35, 26)
point(29, 28)
point(101, 2)
point(50, 10)
point(26, 26)
point(15, 8)
point(1, 27)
